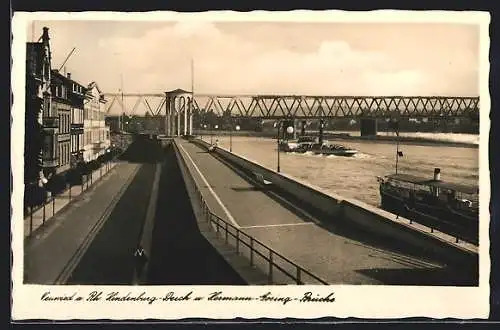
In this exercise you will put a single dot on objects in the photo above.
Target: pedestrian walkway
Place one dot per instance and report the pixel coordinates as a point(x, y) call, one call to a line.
point(39, 217)
point(52, 253)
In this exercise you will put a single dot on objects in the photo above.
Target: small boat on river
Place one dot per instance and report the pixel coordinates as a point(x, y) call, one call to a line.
point(332, 149)
point(296, 145)
point(310, 143)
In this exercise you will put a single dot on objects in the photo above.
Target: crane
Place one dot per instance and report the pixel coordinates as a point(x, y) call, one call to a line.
point(67, 58)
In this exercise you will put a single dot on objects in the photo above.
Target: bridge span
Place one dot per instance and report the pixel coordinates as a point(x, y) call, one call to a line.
point(178, 107)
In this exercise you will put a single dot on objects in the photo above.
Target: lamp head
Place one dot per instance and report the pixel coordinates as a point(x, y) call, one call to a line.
point(289, 129)
point(237, 127)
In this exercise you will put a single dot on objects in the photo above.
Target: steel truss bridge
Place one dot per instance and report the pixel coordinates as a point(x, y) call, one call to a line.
point(292, 106)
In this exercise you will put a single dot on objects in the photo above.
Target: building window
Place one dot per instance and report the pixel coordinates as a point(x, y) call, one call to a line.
point(80, 142)
point(48, 149)
point(46, 107)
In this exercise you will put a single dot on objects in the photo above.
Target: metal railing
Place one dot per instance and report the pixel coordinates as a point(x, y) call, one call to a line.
point(272, 260)
point(86, 181)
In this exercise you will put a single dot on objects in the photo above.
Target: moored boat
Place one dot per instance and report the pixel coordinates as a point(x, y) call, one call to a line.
point(448, 207)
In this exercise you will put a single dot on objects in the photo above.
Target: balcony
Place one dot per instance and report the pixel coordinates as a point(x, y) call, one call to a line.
point(49, 162)
point(77, 128)
point(98, 145)
point(51, 122)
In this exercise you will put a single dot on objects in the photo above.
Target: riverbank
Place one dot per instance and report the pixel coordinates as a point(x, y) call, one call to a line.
point(349, 136)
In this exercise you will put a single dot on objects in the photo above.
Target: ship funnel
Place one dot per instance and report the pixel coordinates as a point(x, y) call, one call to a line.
point(437, 174)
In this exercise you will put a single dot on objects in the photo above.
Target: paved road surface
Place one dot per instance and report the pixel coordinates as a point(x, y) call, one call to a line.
point(336, 254)
point(53, 247)
point(180, 253)
point(109, 259)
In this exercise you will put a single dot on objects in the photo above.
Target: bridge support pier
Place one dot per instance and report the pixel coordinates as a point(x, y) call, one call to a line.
point(191, 121)
point(185, 121)
point(166, 127)
point(320, 133)
point(368, 127)
point(173, 122)
point(178, 124)
point(168, 108)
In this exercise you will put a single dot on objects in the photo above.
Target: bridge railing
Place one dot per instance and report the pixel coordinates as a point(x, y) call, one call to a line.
point(278, 268)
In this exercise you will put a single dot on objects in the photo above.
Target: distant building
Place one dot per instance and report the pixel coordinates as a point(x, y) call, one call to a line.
point(114, 123)
point(96, 132)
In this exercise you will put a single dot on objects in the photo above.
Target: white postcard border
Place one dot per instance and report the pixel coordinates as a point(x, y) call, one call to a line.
point(350, 301)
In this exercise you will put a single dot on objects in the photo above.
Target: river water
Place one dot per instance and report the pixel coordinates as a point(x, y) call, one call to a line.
point(356, 177)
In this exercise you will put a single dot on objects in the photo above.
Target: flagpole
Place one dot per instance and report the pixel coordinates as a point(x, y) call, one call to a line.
point(191, 110)
point(397, 149)
point(192, 76)
point(397, 153)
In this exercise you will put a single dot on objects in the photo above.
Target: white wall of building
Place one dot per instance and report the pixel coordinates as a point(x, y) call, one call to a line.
point(96, 133)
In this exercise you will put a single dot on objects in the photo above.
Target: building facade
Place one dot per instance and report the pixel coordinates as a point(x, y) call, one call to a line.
point(62, 106)
point(77, 97)
point(96, 132)
point(114, 123)
point(42, 121)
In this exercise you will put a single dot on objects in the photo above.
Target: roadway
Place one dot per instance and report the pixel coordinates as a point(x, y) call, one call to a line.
point(92, 241)
point(180, 255)
point(339, 255)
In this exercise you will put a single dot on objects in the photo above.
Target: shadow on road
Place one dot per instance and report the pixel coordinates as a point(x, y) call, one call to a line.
point(422, 276)
point(109, 258)
point(180, 255)
point(143, 150)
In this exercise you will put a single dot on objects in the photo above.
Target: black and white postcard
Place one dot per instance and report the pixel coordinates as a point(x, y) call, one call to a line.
point(266, 164)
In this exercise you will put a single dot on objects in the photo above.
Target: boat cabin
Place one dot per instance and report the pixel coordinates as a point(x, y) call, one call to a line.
point(307, 139)
point(422, 189)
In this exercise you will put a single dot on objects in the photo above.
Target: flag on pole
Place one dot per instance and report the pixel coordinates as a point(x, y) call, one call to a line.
point(400, 153)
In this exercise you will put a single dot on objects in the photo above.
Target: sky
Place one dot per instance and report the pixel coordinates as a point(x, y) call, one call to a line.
point(375, 59)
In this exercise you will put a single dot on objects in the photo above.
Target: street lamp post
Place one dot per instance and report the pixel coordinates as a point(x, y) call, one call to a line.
point(289, 130)
point(204, 129)
point(212, 133)
point(231, 137)
point(216, 127)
